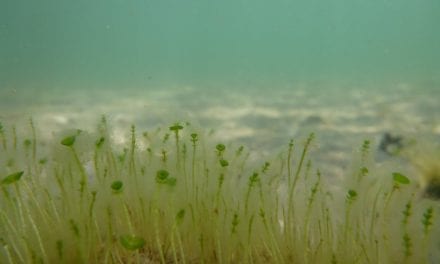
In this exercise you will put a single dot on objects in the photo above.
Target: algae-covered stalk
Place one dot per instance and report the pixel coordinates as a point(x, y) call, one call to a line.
point(69, 142)
point(176, 128)
point(407, 244)
point(34, 142)
point(301, 160)
point(128, 241)
point(350, 198)
point(194, 139)
point(132, 170)
point(253, 180)
point(220, 149)
point(427, 220)
point(3, 137)
point(310, 202)
point(398, 180)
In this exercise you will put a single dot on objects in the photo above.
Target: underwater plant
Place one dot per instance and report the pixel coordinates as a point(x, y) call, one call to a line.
point(425, 157)
point(81, 198)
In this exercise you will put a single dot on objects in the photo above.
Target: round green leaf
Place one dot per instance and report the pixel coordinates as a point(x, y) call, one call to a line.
point(11, 178)
point(351, 195)
point(132, 242)
point(99, 142)
point(117, 186)
point(176, 127)
point(220, 147)
point(68, 141)
point(161, 176)
point(400, 178)
point(194, 137)
point(181, 214)
point(224, 163)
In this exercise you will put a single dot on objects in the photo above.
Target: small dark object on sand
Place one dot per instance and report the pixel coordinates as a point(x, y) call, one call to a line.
point(313, 120)
point(432, 191)
point(390, 144)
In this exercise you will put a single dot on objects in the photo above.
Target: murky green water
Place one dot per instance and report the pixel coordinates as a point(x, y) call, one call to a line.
point(258, 71)
point(257, 44)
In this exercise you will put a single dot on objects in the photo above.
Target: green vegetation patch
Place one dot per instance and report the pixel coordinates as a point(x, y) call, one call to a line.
point(176, 195)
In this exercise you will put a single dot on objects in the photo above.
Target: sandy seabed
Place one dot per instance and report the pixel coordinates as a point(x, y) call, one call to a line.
point(263, 120)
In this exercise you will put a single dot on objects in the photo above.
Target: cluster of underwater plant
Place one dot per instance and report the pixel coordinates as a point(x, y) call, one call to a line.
point(175, 195)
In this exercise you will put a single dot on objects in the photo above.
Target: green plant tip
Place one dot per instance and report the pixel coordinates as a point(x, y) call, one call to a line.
point(239, 151)
point(166, 137)
point(68, 141)
point(194, 137)
point(400, 178)
point(427, 218)
point(265, 166)
point(220, 147)
point(162, 177)
point(235, 222)
point(117, 186)
point(253, 179)
point(176, 127)
point(11, 178)
point(351, 195)
point(27, 142)
point(132, 242)
point(99, 142)
point(364, 170)
point(180, 215)
point(224, 163)
point(365, 146)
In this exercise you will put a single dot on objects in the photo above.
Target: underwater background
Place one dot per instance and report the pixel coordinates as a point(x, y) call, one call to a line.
point(255, 71)
point(289, 131)
point(145, 44)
